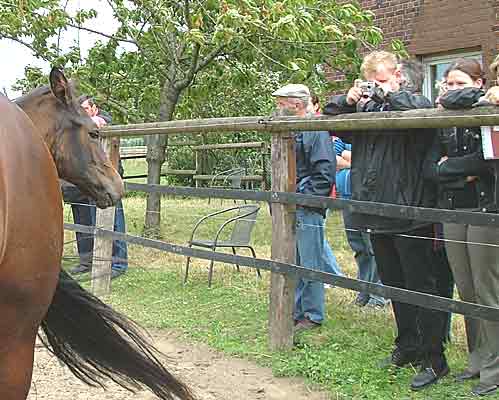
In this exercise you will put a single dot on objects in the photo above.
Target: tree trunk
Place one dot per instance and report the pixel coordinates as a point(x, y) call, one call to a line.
point(156, 146)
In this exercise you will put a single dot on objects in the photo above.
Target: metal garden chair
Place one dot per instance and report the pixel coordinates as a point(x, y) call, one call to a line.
point(241, 224)
point(231, 180)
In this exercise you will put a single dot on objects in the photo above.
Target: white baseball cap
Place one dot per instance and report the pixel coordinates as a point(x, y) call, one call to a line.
point(292, 90)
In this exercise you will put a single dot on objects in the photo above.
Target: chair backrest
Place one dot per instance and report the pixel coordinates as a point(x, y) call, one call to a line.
point(235, 181)
point(234, 177)
point(241, 233)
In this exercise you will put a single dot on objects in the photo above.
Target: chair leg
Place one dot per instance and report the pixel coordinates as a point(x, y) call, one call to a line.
point(234, 252)
point(186, 269)
point(254, 256)
point(210, 271)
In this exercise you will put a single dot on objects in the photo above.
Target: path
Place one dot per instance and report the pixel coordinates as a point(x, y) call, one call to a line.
point(211, 375)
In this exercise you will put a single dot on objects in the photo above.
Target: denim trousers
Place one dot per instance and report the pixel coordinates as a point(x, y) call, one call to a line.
point(312, 252)
point(84, 214)
point(360, 243)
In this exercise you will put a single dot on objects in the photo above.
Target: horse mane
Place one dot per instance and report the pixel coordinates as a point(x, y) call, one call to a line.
point(38, 92)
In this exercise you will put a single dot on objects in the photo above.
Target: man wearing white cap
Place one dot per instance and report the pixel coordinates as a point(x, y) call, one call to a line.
point(315, 174)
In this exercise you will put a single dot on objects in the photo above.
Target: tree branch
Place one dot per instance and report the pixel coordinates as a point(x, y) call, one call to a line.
point(209, 58)
point(187, 14)
point(103, 34)
point(29, 46)
point(189, 76)
point(109, 100)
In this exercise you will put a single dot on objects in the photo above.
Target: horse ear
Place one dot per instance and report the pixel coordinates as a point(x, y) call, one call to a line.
point(60, 86)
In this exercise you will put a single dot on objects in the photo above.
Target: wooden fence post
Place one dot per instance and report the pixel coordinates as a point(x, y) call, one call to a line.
point(282, 289)
point(103, 247)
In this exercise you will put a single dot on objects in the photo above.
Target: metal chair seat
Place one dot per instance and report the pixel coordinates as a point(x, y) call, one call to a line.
point(242, 225)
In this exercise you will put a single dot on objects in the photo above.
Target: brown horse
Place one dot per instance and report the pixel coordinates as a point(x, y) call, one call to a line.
point(44, 136)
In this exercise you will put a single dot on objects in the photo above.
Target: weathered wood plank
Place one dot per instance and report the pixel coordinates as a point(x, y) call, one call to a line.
point(282, 289)
point(258, 178)
point(103, 250)
point(384, 121)
point(227, 146)
point(103, 245)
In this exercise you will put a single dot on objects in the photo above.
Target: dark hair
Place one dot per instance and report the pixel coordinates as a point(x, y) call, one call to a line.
point(470, 67)
point(412, 75)
point(315, 99)
point(82, 99)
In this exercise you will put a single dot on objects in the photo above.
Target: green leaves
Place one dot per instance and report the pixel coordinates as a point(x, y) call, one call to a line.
point(161, 44)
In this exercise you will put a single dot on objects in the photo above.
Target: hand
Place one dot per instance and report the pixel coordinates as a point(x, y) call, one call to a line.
point(471, 178)
point(99, 121)
point(442, 160)
point(492, 95)
point(354, 95)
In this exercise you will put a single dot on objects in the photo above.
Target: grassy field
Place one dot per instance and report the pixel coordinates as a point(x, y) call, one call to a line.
point(232, 316)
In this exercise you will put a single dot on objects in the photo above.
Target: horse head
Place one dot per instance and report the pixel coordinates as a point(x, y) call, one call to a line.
point(73, 139)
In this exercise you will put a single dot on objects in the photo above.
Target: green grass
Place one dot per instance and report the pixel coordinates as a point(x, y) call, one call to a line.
point(232, 316)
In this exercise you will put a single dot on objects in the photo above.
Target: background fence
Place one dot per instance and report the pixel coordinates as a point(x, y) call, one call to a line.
point(284, 200)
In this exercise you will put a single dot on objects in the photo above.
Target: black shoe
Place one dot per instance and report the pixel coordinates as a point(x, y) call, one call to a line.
point(80, 269)
point(484, 389)
point(305, 325)
point(401, 358)
point(466, 375)
point(428, 376)
point(361, 300)
point(115, 273)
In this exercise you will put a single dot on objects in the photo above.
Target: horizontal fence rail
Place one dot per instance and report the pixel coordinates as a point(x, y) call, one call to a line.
point(284, 198)
point(397, 294)
point(363, 207)
point(382, 121)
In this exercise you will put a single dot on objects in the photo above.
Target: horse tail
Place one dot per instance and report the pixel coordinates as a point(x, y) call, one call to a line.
point(96, 343)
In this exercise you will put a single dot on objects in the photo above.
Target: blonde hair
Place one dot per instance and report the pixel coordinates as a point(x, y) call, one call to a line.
point(373, 60)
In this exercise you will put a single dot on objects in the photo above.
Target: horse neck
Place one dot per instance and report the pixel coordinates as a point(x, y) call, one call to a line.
point(38, 109)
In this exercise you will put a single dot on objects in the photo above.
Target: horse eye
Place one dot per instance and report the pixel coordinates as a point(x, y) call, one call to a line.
point(94, 134)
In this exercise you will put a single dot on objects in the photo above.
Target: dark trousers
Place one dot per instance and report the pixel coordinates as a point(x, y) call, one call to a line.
point(409, 263)
point(84, 214)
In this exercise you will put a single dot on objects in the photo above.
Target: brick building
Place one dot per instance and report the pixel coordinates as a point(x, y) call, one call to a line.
point(439, 31)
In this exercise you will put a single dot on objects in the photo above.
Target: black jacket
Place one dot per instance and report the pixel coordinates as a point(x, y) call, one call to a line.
point(463, 146)
point(315, 164)
point(388, 167)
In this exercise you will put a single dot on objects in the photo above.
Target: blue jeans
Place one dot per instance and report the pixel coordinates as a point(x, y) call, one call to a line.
point(360, 243)
point(84, 214)
point(312, 252)
point(120, 248)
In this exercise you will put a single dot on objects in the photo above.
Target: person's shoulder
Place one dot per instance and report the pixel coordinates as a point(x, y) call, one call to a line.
point(105, 116)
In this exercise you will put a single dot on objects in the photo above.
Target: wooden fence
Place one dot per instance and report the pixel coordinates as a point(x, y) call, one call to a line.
point(284, 199)
point(201, 173)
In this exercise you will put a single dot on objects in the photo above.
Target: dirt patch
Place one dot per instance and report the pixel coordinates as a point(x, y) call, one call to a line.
point(210, 374)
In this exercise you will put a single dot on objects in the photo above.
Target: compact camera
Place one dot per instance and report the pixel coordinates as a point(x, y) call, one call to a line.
point(367, 88)
point(370, 90)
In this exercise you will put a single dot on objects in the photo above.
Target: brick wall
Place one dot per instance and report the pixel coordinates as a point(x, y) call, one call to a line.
point(453, 25)
point(395, 17)
point(432, 27)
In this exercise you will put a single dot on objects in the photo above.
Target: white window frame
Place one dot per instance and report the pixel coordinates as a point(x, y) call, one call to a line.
point(430, 61)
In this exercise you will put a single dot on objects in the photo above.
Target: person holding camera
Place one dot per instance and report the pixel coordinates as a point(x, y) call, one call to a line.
point(466, 181)
point(387, 167)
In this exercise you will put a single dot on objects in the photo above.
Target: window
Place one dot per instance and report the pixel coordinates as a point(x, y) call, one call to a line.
point(435, 66)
